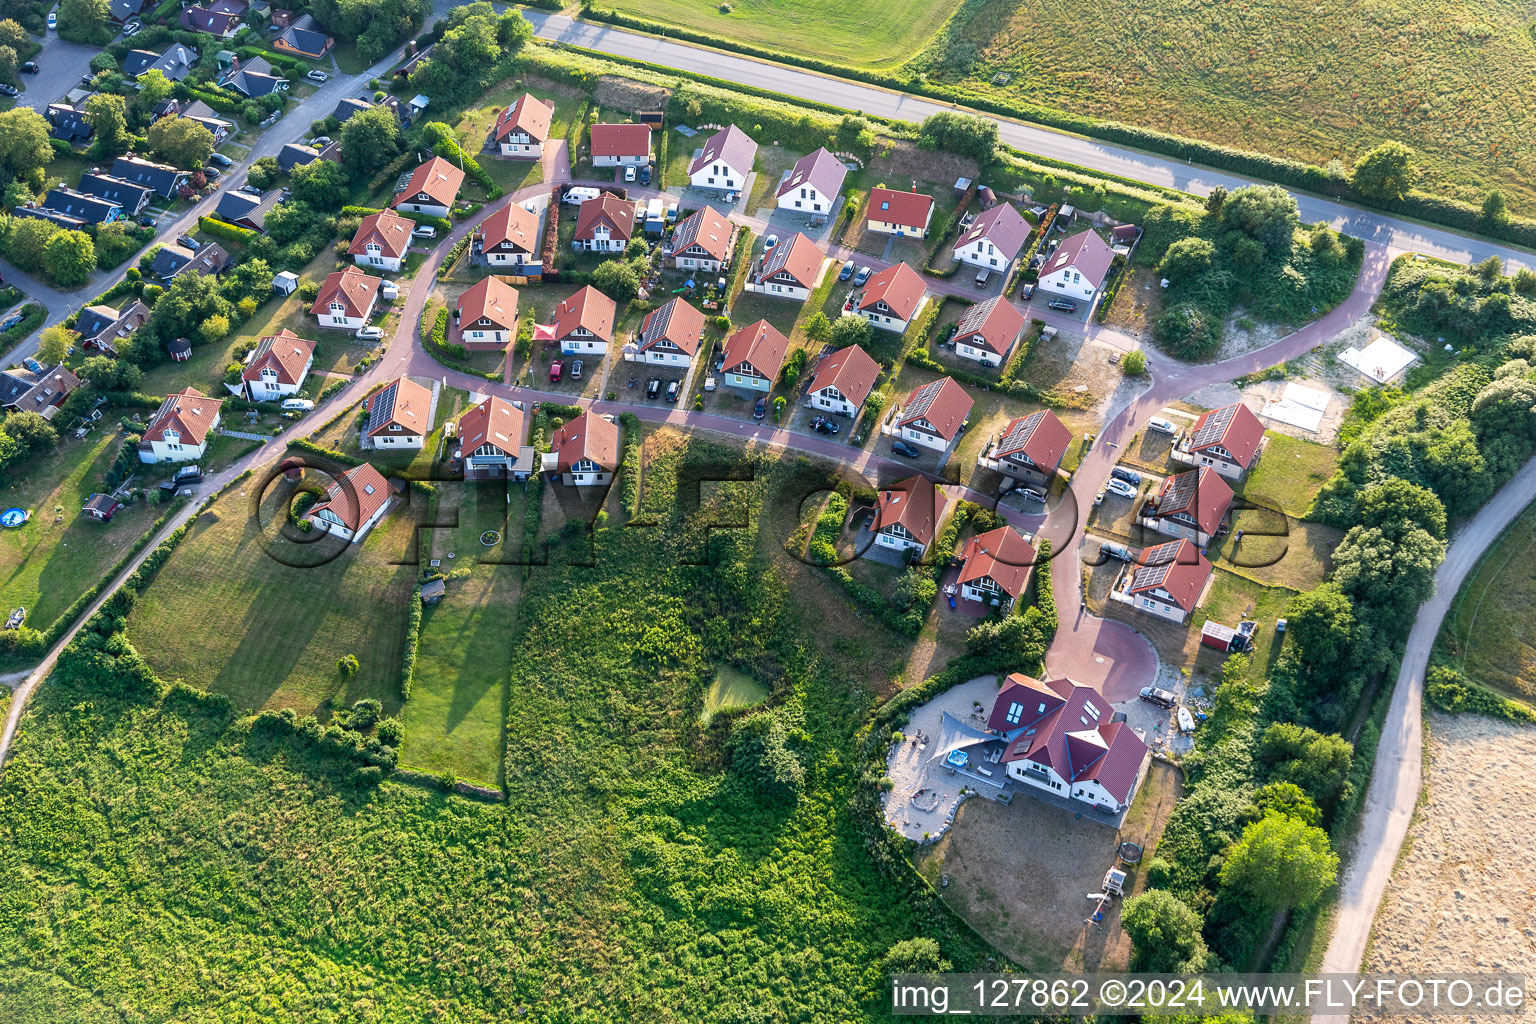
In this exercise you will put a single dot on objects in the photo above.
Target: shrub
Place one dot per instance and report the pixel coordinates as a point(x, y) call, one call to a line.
point(1134, 364)
point(347, 665)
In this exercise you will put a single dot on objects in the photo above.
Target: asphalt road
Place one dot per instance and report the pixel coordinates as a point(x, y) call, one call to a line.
point(60, 65)
point(869, 99)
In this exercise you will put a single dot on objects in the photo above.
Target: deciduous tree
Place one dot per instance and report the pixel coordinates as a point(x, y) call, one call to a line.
point(1280, 864)
point(369, 140)
point(24, 142)
point(1385, 172)
point(108, 114)
point(181, 141)
point(1165, 934)
point(69, 257)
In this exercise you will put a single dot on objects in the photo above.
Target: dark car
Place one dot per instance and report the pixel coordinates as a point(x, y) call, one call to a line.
point(1026, 292)
point(1065, 305)
point(1130, 476)
point(760, 408)
point(146, 221)
point(645, 175)
point(211, 173)
point(846, 272)
point(653, 387)
point(672, 390)
point(11, 321)
point(905, 450)
point(188, 242)
point(822, 425)
point(861, 277)
point(1162, 698)
point(30, 68)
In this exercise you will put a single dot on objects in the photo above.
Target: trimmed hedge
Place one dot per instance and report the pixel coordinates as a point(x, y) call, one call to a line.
point(452, 259)
point(1450, 691)
point(304, 444)
point(412, 642)
point(441, 223)
point(629, 467)
point(227, 231)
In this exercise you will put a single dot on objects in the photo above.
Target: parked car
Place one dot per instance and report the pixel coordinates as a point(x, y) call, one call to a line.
point(221, 160)
point(1121, 488)
point(556, 368)
point(188, 242)
point(905, 450)
point(861, 277)
point(653, 387)
point(321, 141)
point(1130, 476)
point(576, 368)
point(645, 175)
point(846, 272)
point(1026, 292)
point(211, 173)
point(1064, 305)
point(1033, 495)
point(673, 389)
point(318, 76)
point(769, 242)
point(146, 221)
point(1162, 426)
point(982, 277)
point(11, 321)
point(8, 90)
point(580, 194)
point(132, 28)
point(369, 333)
point(760, 408)
point(629, 172)
point(53, 21)
point(298, 404)
point(251, 190)
point(1112, 550)
point(822, 425)
point(424, 231)
point(30, 68)
point(1156, 695)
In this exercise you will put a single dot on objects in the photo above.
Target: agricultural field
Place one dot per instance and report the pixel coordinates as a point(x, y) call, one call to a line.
point(629, 869)
point(1488, 633)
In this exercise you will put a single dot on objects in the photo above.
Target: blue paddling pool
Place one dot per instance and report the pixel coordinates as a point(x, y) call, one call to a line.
point(957, 758)
point(11, 518)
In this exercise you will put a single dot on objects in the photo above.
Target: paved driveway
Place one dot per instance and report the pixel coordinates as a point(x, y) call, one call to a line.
point(62, 64)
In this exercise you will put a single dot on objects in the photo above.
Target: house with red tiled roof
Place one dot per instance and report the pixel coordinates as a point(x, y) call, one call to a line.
point(908, 514)
point(585, 451)
point(702, 241)
point(1166, 580)
point(485, 319)
point(1229, 439)
point(490, 438)
point(789, 270)
point(621, 145)
point(522, 129)
point(180, 428)
point(276, 367)
point(346, 299)
point(604, 224)
point(1029, 449)
point(933, 415)
point(670, 334)
point(841, 381)
point(753, 356)
point(812, 185)
point(996, 566)
point(892, 298)
point(988, 330)
point(431, 189)
point(898, 213)
point(1064, 739)
point(725, 162)
point(1192, 504)
point(583, 323)
point(381, 241)
point(994, 238)
point(353, 504)
point(509, 240)
point(399, 415)
point(1078, 267)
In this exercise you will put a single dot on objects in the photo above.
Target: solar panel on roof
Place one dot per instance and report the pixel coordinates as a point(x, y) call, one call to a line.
point(1156, 562)
point(1215, 427)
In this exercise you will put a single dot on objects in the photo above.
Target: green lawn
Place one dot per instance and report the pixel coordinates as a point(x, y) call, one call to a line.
point(59, 555)
point(1489, 631)
point(1289, 474)
point(239, 611)
point(731, 689)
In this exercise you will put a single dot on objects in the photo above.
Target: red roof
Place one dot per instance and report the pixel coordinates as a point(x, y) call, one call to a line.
point(285, 352)
point(909, 209)
point(705, 229)
point(355, 290)
point(1003, 226)
point(993, 325)
point(621, 140)
point(188, 413)
point(916, 504)
point(1232, 427)
point(386, 229)
point(1040, 437)
point(899, 287)
point(851, 370)
point(609, 209)
point(495, 422)
point(588, 436)
point(588, 309)
point(1201, 494)
point(759, 346)
point(1177, 567)
point(1086, 253)
point(438, 178)
point(529, 114)
point(677, 322)
point(489, 298)
point(354, 496)
point(1001, 555)
point(1067, 727)
point(401, 401)
point(511, 224)
point(797, 256)
point(943, 404)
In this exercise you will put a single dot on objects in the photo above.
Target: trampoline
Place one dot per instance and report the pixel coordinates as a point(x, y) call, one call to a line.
point(12, 518)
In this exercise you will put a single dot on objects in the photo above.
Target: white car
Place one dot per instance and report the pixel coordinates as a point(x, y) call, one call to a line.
point(53, 21)
point(297, 405)
point(132, 28)
point(580, 194)
point(629, 173)
point(1121, 488)
point(1162, 426)
point(370, 333)
point(317, 76)
point(424, 231)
